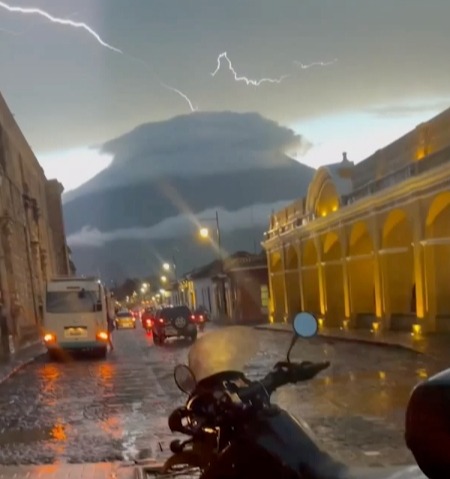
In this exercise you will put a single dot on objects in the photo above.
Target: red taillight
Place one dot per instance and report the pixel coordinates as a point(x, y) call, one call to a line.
point(161, 320)
point(49, 338)
point(148, 322)
point(102, 336)
point(201, 316)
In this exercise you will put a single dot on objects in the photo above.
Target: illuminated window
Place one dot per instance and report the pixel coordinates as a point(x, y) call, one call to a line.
point(264, 296)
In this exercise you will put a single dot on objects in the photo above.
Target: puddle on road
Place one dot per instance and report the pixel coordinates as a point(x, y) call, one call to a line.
point(26, 436)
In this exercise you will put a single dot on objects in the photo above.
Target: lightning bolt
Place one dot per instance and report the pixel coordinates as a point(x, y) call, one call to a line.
point(238, 78)
point(304, 66)
point(183, 95)
point(60, 21)
point(93, 33)
point(164, 85)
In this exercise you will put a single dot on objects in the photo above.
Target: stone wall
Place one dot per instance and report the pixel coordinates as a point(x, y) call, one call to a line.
point(32, 240)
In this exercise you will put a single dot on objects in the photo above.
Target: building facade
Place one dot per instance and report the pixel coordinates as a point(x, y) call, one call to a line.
point(369, 246)
point(247, 288)
point(238, 291)
point(32, 238)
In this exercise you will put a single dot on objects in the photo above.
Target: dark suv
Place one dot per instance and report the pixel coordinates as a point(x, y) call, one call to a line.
point(177, 321)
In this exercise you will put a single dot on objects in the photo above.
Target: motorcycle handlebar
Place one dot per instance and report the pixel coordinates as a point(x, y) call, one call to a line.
point(284, 373)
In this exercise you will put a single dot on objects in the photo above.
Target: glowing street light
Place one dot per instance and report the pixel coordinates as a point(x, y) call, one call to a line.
point(163, 279)
point(204, 232)
point(166, 267)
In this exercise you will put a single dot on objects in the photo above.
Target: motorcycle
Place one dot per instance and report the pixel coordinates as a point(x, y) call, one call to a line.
point(234, 430)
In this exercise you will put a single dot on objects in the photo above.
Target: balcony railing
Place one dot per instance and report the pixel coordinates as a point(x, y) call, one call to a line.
point(375, 186)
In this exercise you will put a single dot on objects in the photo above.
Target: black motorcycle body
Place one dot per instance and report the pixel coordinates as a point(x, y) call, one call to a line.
point(235, 432)
point(273, 444)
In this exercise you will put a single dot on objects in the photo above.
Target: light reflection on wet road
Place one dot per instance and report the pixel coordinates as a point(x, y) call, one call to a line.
point(91, 410)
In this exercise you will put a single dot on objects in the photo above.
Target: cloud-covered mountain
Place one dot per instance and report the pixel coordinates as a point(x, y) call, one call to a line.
point(169, 177)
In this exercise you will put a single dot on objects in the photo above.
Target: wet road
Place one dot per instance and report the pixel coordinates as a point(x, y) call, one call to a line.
point(102, 410)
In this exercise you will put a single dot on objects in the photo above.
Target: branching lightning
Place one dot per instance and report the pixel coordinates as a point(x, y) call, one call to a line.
point(306, 66)
point(238, 78)
point(93, 33)
point(60, 21)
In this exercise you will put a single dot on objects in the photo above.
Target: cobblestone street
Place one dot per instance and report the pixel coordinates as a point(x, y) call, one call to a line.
point(90, 410)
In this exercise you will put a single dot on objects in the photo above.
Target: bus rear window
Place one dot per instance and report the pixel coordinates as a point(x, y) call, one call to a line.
point(71, 302)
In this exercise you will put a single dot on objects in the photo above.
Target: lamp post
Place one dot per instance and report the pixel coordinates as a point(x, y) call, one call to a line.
point(204, 233)
point(171, 266)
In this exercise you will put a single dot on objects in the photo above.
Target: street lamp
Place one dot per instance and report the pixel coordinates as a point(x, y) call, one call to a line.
point(171, 266)
point(204, 232)
point(163, 279)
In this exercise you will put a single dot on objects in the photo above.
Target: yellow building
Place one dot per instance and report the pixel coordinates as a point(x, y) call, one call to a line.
point(369, 246)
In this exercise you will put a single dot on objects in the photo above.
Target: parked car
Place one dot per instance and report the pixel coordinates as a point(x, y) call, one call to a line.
point(125, 320)
point(171, 322)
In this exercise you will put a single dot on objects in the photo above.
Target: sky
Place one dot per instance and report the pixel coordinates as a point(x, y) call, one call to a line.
point(347, 75)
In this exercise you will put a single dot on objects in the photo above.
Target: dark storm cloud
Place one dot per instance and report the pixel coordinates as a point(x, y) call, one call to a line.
point(219, 141)
point(195, 145)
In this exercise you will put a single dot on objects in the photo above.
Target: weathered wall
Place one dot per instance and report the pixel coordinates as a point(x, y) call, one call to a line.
point(32, 230)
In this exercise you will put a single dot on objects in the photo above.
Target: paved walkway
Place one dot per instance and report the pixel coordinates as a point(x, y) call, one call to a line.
point(19, 360)
point(68, 471)
point(437, 346)
point(118, 471)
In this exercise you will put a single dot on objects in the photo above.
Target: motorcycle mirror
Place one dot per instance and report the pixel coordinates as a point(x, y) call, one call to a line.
point(305, 325)
point(184, 379)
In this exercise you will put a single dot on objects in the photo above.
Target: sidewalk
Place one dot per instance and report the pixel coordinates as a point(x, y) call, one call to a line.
point(19, 360)
point(69, 471)
point(433, 345)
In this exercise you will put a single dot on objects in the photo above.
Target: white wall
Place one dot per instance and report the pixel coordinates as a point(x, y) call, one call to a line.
point(205, 295)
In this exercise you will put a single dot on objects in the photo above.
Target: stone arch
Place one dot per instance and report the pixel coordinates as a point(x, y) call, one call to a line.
point(293, 296)
point(361, 275)
point(275, 262)
point(332, 248)
point(322, 197)
point(437, 259)
point(291, 258)
point(277, 285)
point(333, 274)
point(397, 268)
point(310, 277)
point(309, 253)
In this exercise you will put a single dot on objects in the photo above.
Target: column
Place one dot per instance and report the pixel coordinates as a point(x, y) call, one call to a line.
point(426, 320)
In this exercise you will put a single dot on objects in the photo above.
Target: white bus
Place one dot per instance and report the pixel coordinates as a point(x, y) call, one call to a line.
point(75, 316)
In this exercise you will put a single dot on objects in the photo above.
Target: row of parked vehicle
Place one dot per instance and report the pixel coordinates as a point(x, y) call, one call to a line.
point(174, 321)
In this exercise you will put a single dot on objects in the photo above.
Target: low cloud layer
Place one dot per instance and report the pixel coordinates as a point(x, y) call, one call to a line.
point(429, 107)
point(257, 215)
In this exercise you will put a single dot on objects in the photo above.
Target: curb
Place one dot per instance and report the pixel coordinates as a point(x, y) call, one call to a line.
point(369, 342)
point(19, 366)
